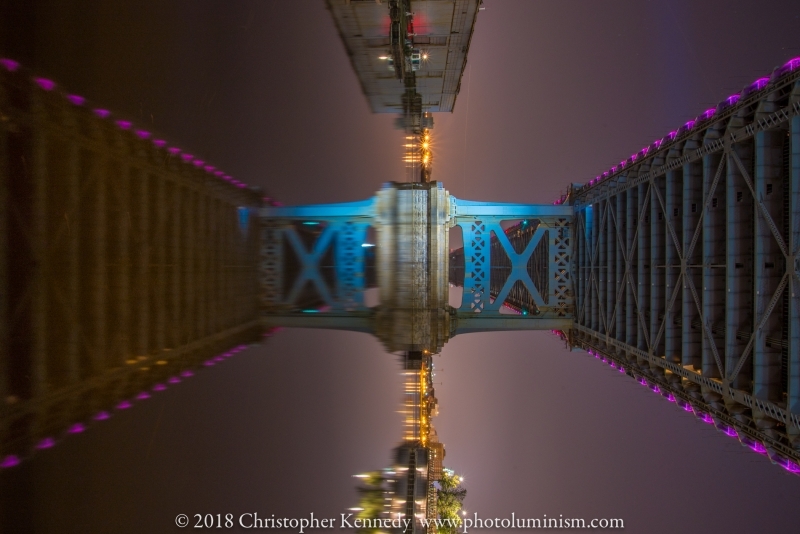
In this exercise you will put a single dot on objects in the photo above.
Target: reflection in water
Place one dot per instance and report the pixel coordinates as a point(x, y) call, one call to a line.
point(416, 489)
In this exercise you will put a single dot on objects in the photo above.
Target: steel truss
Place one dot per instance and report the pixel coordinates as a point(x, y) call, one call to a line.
point(687, 265)
point(121, 265)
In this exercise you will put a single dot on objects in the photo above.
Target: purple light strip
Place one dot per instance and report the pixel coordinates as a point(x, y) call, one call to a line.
point(102, 113)
point(77, 428)
point(125, 125)
point(757, 85)
point(159, 143)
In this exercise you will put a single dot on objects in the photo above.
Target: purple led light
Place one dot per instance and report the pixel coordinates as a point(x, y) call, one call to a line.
point(186, 157)
point(687, 408)
point(9, 64)
point(77, 428)
point(102, 416)
point(709, 113)
point(44, 83)
point(160, 143)
point(187, 373)
point(759, 84)
point(125, 125)
point(9, 461)
point(198, 162)
point(788, 464)
point(159, 387)
point(124, 405)
point(209, 363)
point(174, 380)
point(46, 443)
point(218, 173)
point(102, 113)
point(143, 396)
point(672, 135)
point(621, 369)
point(789, 65)
point(730, 431)
point(142, 134)
point(689, 125)
point(671, 397)
point(657, 143)
point(76, 99)
point(731, 100)
point(209, 168)
point(218, 359)
point(241, 185)
point(704, 417)
point(174, 150)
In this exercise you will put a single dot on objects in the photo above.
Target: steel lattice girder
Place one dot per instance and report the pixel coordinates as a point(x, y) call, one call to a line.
point(698, 243)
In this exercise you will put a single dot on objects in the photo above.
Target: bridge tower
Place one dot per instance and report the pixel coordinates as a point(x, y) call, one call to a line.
point(412, 223)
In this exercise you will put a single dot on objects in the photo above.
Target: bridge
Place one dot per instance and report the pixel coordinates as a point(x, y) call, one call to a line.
point(129, 264)
point(412, 223)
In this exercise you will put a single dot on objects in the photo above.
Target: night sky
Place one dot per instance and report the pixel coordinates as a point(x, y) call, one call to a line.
point(554, 92)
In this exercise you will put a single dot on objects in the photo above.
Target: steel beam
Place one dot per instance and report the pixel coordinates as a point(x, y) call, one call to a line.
point(793, 266)
point(740, 210)
point(768, 260)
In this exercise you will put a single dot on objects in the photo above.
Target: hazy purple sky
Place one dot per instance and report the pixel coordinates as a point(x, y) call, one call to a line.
point(555, 92)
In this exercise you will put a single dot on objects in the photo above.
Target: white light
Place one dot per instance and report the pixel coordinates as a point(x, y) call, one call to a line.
point(365, 245)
